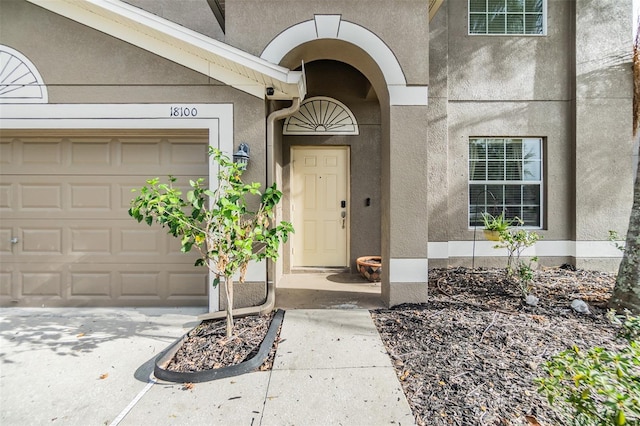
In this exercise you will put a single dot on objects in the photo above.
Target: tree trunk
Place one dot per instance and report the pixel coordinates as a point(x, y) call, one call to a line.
point(626, 293)
point(228, 288)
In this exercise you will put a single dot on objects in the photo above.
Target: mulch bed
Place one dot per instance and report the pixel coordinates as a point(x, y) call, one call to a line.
point(208, 347)
point(469, 355)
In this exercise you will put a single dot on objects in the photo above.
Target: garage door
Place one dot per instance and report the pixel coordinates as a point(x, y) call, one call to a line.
point(65, 236)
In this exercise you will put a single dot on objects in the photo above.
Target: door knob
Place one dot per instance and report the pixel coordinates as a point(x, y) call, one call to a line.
point(14, 240)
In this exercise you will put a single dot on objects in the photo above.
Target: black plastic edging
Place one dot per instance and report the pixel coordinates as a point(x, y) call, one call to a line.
point(217, 373)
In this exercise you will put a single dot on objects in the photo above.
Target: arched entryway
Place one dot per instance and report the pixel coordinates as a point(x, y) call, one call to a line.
point(332, 182)
point(347, 62)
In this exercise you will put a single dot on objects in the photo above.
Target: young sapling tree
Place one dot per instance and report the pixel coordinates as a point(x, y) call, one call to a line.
point(220, 224)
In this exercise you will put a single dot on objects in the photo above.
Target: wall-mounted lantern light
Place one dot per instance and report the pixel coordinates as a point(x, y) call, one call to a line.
point(241, 156)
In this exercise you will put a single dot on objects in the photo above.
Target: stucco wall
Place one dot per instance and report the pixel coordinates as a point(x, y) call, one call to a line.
point(437, 116)
point(604, 154)
point(572, 87)
point(198, 16)
point(252, 24)
point(510, 67)
point(547, 120)
point(493, 86)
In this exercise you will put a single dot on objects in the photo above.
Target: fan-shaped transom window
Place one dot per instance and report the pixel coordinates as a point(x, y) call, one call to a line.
point(20, 81)
point(321, 115)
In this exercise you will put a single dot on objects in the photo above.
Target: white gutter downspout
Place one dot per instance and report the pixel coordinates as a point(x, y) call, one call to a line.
point(271, 119)
point(270, 299)
point(271, 168)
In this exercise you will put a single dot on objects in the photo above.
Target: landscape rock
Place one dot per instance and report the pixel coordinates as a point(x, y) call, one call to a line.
point(531, 300)
point(579, 306)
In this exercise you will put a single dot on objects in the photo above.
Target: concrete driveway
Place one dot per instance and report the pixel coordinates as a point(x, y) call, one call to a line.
point(93, 367)
point(77, 366)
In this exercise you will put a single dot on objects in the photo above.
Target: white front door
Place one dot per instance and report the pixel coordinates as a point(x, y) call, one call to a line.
point(320, 206)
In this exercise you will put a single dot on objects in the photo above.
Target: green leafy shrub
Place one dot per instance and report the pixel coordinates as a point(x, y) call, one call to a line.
point(597, 386)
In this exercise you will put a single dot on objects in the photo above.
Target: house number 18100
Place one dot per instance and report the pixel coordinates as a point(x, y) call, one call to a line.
point(183, 112)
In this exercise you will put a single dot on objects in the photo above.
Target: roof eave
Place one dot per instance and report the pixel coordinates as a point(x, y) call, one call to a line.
point(186, 47)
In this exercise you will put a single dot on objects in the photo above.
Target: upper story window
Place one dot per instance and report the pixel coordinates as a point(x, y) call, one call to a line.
point(505, 176)
point(507, 17)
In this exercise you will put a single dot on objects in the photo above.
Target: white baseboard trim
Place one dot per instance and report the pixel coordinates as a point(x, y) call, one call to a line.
point(408, 270)
point(579, 249)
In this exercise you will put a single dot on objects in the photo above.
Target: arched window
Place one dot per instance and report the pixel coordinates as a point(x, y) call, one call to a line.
point(321, 115)
point(20, 81)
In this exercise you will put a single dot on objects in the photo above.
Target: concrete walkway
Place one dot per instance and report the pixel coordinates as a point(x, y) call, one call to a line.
point(93, 366)
point(327, 291)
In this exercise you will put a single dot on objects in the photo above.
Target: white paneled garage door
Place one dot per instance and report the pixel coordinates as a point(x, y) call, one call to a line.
point(65, 236)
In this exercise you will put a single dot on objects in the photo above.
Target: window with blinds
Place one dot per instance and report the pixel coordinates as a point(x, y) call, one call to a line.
point(507, 17)
point(505, 175)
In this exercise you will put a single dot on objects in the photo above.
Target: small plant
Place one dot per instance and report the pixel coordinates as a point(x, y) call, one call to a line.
point(525, 275)
point(496, 223)
point(614, 238)
point(597, 386)
point(516, 241)
point(219, 224)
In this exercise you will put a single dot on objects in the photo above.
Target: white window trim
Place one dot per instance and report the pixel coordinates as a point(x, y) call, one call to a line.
point(510, 182)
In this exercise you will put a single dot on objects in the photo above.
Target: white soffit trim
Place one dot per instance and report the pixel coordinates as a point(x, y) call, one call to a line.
point(179, 44)
point(333, 27)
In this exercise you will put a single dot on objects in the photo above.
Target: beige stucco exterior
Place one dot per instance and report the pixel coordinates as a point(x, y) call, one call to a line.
point(571, 87)
point(253, 24)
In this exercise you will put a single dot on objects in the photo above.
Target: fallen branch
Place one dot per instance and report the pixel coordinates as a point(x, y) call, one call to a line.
point(489, 326)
